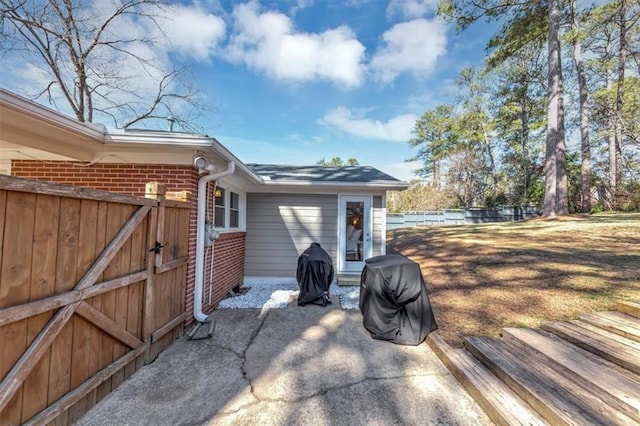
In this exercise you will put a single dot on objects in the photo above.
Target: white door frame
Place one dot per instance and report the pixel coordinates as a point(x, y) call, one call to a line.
point(345, 265)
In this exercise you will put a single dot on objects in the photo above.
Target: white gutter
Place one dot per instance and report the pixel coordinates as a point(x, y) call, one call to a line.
point(202, 206)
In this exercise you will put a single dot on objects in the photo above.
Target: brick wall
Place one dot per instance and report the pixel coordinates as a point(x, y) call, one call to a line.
point(228, 268)
point(131, 179)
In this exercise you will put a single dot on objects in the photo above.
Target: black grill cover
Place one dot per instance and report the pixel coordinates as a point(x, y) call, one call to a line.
point(394, 301)
point(315, 275)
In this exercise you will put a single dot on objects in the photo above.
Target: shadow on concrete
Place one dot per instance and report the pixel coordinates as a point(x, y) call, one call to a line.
point(298, 365)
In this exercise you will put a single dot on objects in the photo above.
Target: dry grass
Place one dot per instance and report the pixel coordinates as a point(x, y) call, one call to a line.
point(482, 278)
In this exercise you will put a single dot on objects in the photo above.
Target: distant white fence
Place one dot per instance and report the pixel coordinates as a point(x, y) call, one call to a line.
point(461, 216)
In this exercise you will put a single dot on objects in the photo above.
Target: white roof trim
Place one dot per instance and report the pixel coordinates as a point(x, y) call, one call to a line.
point(122, 138)
point(14, 101)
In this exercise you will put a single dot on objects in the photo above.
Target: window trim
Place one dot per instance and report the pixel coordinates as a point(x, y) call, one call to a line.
point(242, 197)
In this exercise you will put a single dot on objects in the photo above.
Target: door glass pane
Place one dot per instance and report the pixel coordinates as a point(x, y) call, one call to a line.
point(353, 232)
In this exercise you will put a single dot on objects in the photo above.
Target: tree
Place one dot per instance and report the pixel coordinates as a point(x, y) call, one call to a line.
point(518, 113)
point(556, 192)
point(525, 15)
point(585, 143)
point(420, 196)
point(92, 65)
point(436, 138)
point(338, 162)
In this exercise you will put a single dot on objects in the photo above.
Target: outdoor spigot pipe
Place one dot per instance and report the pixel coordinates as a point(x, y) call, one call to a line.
point(202, 206)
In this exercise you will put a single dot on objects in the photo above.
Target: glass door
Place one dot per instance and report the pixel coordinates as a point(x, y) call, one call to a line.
point(354, 232)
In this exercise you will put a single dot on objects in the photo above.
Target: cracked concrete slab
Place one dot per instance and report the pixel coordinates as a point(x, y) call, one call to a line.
point(299, 365)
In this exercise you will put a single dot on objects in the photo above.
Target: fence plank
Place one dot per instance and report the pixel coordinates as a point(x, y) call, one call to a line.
point(122, 301)
point(68, 400)
point(80, 355)
point(97, 302)
point(162, 331)
point(134, 313)
point(114, 284)
point(33, 186)
point(43, 271)
point(66, 272)
point(14, 379)
point(25, 365)
point(26, 310)
point(147, 324)
point(112, 249)
point(15, 279)
point(106, 324)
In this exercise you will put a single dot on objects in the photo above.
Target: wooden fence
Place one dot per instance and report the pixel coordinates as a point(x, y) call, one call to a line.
point(87, 294)
point(461, 216)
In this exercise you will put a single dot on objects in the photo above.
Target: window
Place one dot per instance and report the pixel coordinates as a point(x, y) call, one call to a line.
point(219, 220)
point(227, 209)
point(234, 210)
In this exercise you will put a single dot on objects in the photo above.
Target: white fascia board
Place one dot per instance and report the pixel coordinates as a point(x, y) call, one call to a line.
point(11, 100)
point(350, 185)
point(118, 136)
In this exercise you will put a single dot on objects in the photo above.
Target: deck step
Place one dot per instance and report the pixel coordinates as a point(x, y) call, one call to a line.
point(616, 387)
point(556, 398)
point(500, 403)
point(615, 322)
point(615, 348)
point(552, 395)
point(629, 307)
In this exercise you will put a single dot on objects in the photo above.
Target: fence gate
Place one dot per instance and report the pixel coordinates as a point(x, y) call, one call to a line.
point(167, 289)
point(84, 297)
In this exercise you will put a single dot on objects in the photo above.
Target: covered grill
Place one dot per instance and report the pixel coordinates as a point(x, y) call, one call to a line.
point(394, 301)
point(314, 275)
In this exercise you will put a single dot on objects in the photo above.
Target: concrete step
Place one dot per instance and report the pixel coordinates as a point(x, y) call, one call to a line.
point(615, 322)
point(616, 387)
point(612, 347)
point(500, 403)
point(557, 399)
point(629, 307)
point(348, 280)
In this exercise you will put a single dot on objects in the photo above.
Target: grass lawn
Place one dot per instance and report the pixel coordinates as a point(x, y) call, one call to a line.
point(482, 278)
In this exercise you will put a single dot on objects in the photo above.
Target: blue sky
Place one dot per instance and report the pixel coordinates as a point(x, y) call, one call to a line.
point(291, 82)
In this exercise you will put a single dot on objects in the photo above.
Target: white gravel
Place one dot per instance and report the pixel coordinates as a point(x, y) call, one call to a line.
point(278, 296)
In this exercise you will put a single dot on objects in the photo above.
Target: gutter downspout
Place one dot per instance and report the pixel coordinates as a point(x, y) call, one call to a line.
point(202, 206)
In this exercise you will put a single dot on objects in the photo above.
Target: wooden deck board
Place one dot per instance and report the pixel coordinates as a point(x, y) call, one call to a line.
point(557, 399)
point(602, 377)
point(616, 350)
point(629, 307)
point(500, 403)
point(615, 322)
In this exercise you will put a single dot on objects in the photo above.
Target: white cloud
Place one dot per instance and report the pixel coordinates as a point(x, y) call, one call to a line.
point(301, 5)
point(192, 31)
point(397, 129)
point(412, 46)
point(408, 9)
point(268, 41)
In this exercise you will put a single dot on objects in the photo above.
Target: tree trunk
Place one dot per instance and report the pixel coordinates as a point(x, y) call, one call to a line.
point(620, 90)
point(524, 127)
point(492, 162)
point(555, 197)
point(585, 164)
point(611, 134)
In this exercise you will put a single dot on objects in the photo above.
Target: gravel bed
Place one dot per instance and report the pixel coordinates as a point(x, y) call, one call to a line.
point(277, 296)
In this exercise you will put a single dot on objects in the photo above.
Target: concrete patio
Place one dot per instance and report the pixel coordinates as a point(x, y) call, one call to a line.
point(298, 365)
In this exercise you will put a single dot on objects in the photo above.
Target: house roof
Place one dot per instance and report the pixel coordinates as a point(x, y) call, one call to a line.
point(29, 130)
point(276, 174)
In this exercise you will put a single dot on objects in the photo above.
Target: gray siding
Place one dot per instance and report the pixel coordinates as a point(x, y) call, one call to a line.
point(379, 219)
point(281, 226)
